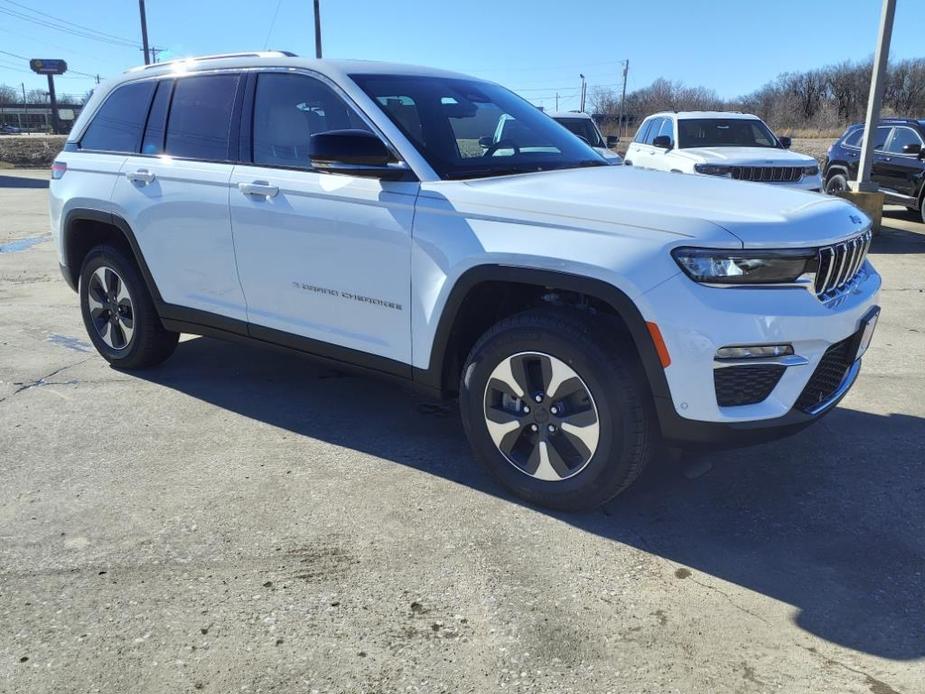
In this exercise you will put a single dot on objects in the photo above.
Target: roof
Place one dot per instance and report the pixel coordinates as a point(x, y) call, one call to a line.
point(334, 68)
point(707, 114)
point(568, 114)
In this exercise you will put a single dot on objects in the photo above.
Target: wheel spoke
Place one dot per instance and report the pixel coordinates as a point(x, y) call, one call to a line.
point(541, 466)
point(567, 388)
point(127, 330)
point(106, 333)
point(586, 437)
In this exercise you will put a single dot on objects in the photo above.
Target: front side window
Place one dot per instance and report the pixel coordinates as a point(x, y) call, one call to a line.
point(724, 132)
point(288, 110)
point(901, 138)
point(667, 129)
point(118, 124)
point(467, 128)
point(199, 124)
point(584, 128)
point(654, 130)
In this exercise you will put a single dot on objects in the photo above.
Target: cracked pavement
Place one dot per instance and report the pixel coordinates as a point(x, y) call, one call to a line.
point(245, 520)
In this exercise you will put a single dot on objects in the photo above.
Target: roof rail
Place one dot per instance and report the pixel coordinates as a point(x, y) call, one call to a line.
point(221, 56)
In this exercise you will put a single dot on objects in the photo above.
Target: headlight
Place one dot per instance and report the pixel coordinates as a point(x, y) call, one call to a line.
point(712, 169)
point(810, 170)
point(713, 266)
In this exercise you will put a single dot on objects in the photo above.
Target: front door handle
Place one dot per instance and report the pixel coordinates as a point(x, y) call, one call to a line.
point(259, 188)
point(142, 176)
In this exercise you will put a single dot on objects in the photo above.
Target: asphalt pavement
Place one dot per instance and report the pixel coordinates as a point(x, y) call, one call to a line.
point(241, 520)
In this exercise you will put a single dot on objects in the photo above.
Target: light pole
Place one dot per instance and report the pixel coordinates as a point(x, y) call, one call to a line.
point(626, 69)
point(877, 85)
point(583, 85)
point(317, 30)
point(144, 31)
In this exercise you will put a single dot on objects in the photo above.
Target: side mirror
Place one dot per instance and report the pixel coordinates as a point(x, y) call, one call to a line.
point(785, 142)
point(353, 152)
point(912, 149)
point(612, 141)
point(486, 141)
point(662, 141)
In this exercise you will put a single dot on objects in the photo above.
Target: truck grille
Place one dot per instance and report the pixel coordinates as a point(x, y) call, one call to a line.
point(746, 384)
point(838, 265)
point(829, 375)
point(767, 174)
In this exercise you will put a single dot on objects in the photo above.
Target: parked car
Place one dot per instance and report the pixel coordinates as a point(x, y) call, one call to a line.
point(581, 313)
point(508, 130)
point(724, 144)
point(7, 129)
point(898, 166)
point(583, 125)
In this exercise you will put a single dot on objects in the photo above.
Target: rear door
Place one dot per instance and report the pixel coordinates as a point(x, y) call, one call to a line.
point(321, 256)
point(174, 192)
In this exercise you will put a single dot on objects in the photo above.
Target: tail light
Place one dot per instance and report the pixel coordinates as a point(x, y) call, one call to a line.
point(58, 169)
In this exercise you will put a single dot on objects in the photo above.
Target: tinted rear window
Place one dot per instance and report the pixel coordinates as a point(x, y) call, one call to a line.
point(199, 124)
point(118, 124)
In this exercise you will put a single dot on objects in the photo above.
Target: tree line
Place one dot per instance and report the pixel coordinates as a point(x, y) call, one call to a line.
point(11, 96)
point(825, 99)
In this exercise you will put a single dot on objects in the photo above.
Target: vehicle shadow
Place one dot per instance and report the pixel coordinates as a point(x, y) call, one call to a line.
point(892, 239)
point(831, 521)
point(22, 182)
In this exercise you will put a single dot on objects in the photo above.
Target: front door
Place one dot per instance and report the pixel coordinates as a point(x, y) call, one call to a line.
point(321, 256)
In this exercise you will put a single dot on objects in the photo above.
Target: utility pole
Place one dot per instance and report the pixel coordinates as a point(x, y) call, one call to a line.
point(155, 52)
point(557, 102)
point(581, 107)
point(877, 85)
point(626, 69)
point(144, 31)
point(317, 30)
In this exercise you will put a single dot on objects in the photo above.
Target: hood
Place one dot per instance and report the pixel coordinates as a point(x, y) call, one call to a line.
point(745, 156)
point(688, 207)
point(612, 157)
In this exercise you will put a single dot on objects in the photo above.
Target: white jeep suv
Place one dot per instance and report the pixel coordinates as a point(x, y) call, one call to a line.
point(583, 125)
point(581, 312)
point(719, 143)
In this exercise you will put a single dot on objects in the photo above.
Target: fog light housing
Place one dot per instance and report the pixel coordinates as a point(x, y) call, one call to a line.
point(754, 352)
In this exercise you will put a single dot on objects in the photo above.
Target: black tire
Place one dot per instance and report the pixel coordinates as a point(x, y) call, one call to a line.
point(836, 183)
point(609, 370)
point(146, 343)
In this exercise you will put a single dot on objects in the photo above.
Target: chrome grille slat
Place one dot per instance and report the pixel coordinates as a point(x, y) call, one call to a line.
point(837, 265)
point(767, 174)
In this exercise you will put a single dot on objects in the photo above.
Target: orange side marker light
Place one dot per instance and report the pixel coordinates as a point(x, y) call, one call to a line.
point(660, 347)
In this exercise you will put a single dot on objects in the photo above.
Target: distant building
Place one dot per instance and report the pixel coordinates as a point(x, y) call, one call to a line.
point(37, 117)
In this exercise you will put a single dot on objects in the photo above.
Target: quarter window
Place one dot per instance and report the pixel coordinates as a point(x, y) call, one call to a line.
point(854, 139)
point(289, 109)
point(199, 125)
point(118, 124)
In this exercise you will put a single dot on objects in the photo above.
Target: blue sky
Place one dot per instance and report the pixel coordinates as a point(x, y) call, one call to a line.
point(537, 47)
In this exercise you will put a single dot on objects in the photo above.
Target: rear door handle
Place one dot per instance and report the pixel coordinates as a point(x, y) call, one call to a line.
point(140, 176)
point(259, 188)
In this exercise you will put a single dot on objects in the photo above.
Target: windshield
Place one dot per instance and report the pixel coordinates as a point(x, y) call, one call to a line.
point(724, 132)
point(470, 129)
point(584, 128)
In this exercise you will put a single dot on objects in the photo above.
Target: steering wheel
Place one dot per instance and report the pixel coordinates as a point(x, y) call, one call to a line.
point(503, 143)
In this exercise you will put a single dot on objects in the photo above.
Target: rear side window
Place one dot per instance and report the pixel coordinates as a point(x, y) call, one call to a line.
point(118, 124)
point(199, 124)
point(901, 138)
point(289, 109)
point(643, 129)
point(854, 139)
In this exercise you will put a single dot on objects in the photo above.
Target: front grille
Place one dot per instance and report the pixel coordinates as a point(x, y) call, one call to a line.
point(839, 264)
point(829, 375)
point(767, 174)
point(745, 384)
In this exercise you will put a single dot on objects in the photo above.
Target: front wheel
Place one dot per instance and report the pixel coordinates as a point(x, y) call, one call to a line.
point(553, 407)
point(836, 183)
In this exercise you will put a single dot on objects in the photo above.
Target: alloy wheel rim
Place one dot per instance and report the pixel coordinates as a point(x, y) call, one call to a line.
point(111, 310)
point(541, 416)
point(836, 186)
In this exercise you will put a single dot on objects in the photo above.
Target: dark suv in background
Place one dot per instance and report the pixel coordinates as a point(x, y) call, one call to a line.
point(899, 161)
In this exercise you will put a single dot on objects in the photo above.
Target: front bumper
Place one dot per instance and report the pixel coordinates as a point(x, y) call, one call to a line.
point(696, 320)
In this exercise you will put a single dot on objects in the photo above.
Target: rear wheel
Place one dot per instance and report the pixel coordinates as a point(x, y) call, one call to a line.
point(552, 407)
point(118, 312)
point(836, 183)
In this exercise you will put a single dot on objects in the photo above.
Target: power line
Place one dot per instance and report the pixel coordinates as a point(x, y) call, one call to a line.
point(66, 22)
point(66, 30)
point(272, 24)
